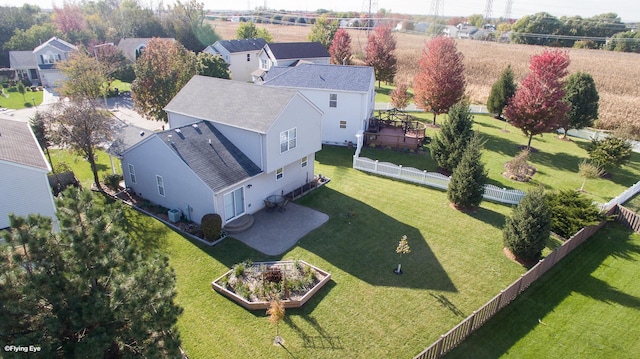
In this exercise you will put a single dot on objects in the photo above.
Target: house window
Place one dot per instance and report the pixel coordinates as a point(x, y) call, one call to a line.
point(160, 185)
point(263, 64)
point(333, 100)
point(287, 140)
point(233, 204)
point(226, 58)
point(303, 162)
point(248, 57)
point(132, 173)
point(51, 59)
point(279, 173)
point(343, 124)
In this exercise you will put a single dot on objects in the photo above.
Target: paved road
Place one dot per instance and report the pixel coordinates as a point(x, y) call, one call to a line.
point(120, 107)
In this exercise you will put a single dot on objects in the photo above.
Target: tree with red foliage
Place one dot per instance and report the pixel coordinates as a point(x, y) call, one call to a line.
point(440, 82)
point(340, 49)
point(379, 53)
point(538, 105)
point(400, 96)
point(68, 18)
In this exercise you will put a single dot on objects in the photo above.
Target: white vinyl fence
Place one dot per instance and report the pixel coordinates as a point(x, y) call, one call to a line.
point(622, 197)
point(431, 179)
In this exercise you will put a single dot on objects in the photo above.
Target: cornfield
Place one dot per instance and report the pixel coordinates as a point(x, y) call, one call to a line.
point(616, 74)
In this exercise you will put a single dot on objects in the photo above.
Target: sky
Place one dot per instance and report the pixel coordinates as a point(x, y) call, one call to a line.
point(628, 10)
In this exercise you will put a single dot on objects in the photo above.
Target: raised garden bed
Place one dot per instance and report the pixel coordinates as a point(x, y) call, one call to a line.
point(252, 284)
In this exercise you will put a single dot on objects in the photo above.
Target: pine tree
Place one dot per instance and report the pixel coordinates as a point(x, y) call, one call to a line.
point(501, 92)
point(526, 232)
point(455, 133)
point(86, 290)
point(583, 99)
point(467, 181)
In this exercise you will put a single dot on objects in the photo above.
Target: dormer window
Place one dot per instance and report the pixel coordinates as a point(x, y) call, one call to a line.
point(51, 58)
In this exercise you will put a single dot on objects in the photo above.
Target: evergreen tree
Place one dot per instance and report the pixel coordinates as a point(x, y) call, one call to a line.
point(570, 211)
point(449, 144)
point(85, 291)
point(583, 99)
point(526, 232)
point(501, 92)
point(467, 181)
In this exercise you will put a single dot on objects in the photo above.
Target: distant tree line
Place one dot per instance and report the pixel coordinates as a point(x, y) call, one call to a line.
point(96, 22)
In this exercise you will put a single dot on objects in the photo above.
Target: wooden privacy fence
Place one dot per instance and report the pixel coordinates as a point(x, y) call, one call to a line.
point(460, 332)
point(431, 179)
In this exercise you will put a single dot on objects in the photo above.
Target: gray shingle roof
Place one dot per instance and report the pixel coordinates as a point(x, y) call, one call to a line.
point(22, 59)
point(58, 44)
point(242, 45)
point(298, 50)
point(19, 145)
point(233, 103)
point(315, 76)
point(218, 163)
point(126, 136)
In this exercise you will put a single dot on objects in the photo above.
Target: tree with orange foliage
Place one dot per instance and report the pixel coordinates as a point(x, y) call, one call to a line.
point(440, 83)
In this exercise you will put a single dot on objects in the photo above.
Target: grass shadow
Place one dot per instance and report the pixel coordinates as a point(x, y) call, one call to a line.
point(573, 274)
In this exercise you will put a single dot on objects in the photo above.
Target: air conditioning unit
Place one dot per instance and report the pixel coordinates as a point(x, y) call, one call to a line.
point(174, 215)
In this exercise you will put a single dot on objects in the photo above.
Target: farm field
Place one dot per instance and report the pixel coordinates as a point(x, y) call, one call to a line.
point(615, 73)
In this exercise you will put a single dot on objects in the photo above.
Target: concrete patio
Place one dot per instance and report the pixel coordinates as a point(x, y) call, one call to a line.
point(274, 232)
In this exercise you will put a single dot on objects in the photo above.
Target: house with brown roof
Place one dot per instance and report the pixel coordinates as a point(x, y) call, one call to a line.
point(231, 146)
point(24, 187)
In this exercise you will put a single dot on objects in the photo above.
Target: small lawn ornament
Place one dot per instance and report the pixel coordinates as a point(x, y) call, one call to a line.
point(403, 248)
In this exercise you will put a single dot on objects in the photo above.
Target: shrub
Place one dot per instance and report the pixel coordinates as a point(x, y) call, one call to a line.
point(112, 181)
point(526, 232)
point(570, 211)
point(518, 169)
point(609, 152)
point(273, 275)
point(211, 226)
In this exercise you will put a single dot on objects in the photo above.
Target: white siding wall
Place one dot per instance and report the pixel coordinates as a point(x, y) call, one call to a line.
point(181, 186)
point(265, 184)
point(241, 69)
point(351, 107)
point(307, 120)
point(24, 190)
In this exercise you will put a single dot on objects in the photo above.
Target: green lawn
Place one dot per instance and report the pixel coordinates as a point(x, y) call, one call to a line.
point(13, 99)
point(384, 91)
point(81, 167)
point(456, 262)
point(556, 160)
point(585, 307)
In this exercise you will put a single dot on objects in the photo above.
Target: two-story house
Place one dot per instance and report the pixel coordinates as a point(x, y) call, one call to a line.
point(290, 54)
point(230, 146)
point(24, 187)
point(47, 56)
point(240, 54)
point(345, 94)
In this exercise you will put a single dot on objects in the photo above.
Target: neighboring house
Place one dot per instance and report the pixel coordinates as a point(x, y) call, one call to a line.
point(47, 56)
point(25, 65)
point(290, 54)
point(230, 146)
point(132, 47)
point(345, 94)
point(24, 187)
point(241, 55)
